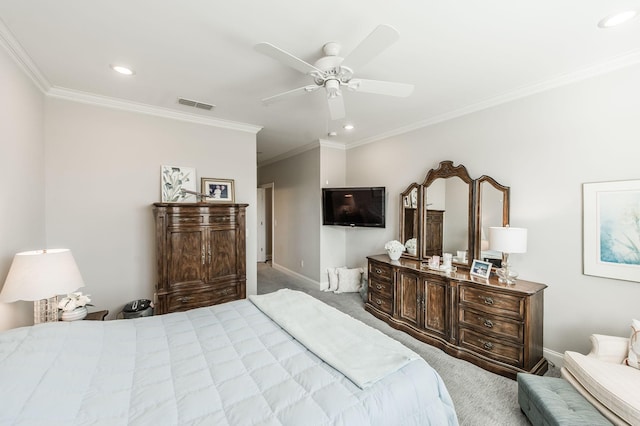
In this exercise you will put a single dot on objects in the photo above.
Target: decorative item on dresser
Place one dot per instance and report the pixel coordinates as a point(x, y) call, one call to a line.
point(201, 255)
point(495, 325)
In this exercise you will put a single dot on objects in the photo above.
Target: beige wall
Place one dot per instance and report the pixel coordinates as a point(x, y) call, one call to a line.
point(296, 212)
point(544, 147)
point(102, 175)
point(22, 218)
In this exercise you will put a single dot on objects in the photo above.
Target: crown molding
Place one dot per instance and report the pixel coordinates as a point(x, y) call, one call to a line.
point(91, 99)
point(330, 144)
point(627, 59)
point(22, 59)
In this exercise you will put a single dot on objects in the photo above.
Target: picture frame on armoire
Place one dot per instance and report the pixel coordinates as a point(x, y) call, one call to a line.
point(218, 190)
point(173, 179)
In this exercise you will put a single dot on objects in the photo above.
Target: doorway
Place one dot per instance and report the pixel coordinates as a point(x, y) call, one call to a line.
point(265, 222)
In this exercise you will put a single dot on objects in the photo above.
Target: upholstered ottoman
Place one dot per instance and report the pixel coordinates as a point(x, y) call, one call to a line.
point(553, 401)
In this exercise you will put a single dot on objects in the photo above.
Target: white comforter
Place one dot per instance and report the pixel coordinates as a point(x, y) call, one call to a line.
point(362, 353)
point(222, 365)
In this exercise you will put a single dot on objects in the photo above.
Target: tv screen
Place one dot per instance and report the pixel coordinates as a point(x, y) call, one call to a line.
point(353, 206)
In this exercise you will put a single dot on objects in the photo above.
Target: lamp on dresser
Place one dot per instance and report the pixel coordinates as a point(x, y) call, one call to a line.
point(40, 276)
point(507, 240)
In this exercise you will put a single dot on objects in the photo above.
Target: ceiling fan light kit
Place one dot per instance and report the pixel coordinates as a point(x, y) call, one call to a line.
point(332, 72)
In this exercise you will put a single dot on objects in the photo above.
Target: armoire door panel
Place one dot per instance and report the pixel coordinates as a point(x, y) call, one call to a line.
point(222, 262)
point(185, 256)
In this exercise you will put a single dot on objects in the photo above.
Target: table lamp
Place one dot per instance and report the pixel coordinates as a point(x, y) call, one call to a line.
point(507, 240)
point(40, 276)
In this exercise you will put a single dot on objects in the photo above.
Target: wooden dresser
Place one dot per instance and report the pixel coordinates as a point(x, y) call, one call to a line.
point(201, 257)
point(493, 325)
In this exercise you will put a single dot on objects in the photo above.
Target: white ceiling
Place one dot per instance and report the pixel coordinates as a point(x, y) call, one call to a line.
point(460, 55)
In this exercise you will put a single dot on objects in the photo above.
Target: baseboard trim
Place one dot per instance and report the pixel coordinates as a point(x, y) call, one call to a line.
point(554, 358)
point(306, 280)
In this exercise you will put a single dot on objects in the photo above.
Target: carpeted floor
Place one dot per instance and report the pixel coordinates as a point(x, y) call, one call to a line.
point(481, 398)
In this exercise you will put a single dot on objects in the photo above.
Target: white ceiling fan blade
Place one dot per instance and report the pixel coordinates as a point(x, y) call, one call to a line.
point(336, 107)
point(290, 94)
point(389, 88)
point(381, 38)
point(286, 58)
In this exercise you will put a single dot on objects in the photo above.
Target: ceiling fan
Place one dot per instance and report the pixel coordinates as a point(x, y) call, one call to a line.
point(333, 72)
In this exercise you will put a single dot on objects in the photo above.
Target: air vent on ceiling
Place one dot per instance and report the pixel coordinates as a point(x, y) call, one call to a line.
point(195, 104)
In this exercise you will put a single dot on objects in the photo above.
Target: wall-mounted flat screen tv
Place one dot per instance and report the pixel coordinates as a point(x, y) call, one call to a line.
point(354, 206)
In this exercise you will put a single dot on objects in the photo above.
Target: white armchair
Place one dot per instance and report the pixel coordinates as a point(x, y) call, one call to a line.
point(603, 378)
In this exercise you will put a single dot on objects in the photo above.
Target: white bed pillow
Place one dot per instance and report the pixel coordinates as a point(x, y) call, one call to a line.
point(633, 359)
point(333, 278)
point(349, 280)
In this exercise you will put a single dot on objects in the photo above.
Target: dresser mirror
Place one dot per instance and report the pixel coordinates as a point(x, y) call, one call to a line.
point(452, 213)
point(493, 210)
point(448, 213)
point(410, 219)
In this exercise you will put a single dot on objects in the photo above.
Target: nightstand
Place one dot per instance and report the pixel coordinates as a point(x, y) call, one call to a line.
point(97, 316)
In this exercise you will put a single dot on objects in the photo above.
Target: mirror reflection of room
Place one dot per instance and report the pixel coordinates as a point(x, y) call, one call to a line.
point(447, 219)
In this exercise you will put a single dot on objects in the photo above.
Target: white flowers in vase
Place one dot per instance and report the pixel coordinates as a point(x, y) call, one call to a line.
point(394, 249)
point(394, 245)
point(73, 301)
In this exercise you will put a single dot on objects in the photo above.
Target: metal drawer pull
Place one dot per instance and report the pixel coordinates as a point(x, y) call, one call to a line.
point(378, 271)
point(378, 301)
point(488, 300)
point(185, 299)
point(488, 323)
point(488, 346)
point(227, 290)
point(378, 286)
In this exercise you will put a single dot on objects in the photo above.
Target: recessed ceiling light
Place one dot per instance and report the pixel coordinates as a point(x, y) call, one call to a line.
point(617, 18)
point(122, 69)
point(332, 133)
point(348, 127)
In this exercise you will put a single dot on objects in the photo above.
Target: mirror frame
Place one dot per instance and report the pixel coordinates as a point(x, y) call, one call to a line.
point(417, 218)
point(445, 170)
point(505, 190)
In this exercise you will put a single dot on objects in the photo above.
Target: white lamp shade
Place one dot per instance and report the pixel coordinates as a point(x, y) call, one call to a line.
point(41, 274)
point(508, 239)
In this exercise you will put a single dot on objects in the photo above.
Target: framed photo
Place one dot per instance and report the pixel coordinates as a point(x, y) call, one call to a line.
point(173, 179)
point(217, 190)
point(480, 268)
point(611, 233)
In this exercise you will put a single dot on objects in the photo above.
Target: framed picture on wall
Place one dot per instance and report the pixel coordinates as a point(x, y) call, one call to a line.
point(611, 233)
point(218, 190)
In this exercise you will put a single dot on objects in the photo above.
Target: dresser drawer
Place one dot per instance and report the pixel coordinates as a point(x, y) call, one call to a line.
point(196, 220)
point(380, 272)
point(381, 303)
point(382, 288)
point(208, 297)
point(500, 326)
point(222, 219)
point(492, 347)
point(492, 301)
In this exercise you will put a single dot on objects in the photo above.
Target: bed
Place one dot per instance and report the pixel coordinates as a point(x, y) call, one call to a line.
point(228, 364)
